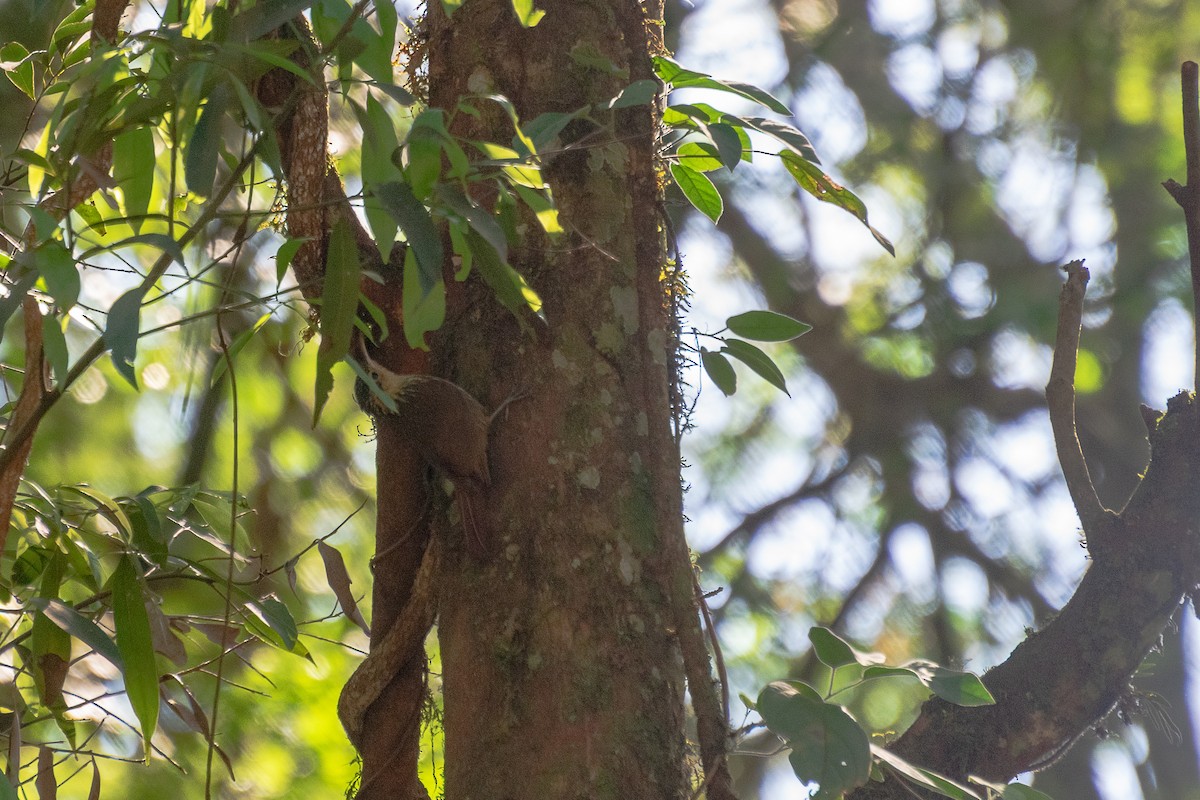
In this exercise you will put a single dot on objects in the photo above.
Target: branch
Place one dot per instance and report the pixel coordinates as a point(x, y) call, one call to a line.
point(32, 402)
point(1188, 197)
point(1060, 399)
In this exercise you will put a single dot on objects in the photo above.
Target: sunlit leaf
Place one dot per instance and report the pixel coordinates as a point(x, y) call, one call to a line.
point(813, 180)
point(680, 78)
point(699, 191)
point(923, 777)
point(14, 61)
point(766, 326)
point(133, 171)
point(527, 15)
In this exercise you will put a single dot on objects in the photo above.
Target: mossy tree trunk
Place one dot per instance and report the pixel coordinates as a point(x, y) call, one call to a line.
point(561, 669)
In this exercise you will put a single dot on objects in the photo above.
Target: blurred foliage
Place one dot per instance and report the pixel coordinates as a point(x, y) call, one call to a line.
point(908, 496)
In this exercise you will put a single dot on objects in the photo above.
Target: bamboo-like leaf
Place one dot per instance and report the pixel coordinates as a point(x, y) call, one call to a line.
point(137, 646)
point(133, 171)
point(339, 306)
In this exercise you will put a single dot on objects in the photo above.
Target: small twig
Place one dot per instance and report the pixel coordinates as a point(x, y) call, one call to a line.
point(1060, 399)
point(1188, 197)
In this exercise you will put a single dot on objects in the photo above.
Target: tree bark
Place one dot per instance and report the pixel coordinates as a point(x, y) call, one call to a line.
point(562, 672)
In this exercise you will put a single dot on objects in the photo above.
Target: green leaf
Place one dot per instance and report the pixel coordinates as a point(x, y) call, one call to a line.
point(766, 326)
point(397, 93)
point(55, 345)
point(527, 15)
point(730, 145)
point(638, 93)
point(339, 307)
point(133, 171)
point(700, 156)
point(923, 777)
point(235, 347)
point(59, 274)
point(424, 150)
point(543, 129)
point(16, 294)
point(1019, 791)
point(699, 191)
point(423, 238)
point(200, 160)
point(80, 627)
point(828, 746)
point(450, 6)
point(720, 370)
point(785, 133)
point(424, 310)
point(477, 217)
point(671, 72)
point(14, 60)
point(832, 650)
point(136, 646)
point(146, 528)
point(276, 615)
point(510, 288)
point(121, 333)
point(812, 180)
point(960, 688)
point(758, 361)
point(284, 255)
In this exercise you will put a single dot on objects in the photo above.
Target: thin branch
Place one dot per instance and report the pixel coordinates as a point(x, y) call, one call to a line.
point(1188, 197)
point(1060, 399)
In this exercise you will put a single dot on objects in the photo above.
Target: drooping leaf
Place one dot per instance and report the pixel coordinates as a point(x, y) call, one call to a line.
point(766, 326)
point(757, 360)
point(54, 345)
point(121, 333)
point(510, 288)
point(424, 241)
point(338, 578)
point(136, 646)
point(80, 627)
point(792, 137)
point(283, 257)
point(1019, 791)
point(834, 651)
point(699, 191)
point(339, 307)
point(813, 180)
point(200, 159)
point(720, 370)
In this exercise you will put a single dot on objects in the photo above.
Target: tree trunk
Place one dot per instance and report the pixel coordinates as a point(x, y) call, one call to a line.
point(561, 669)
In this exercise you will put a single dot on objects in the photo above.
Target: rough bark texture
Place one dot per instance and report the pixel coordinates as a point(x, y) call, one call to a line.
point(562, 676)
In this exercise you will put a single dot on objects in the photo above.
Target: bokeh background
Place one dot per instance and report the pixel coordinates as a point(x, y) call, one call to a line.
point(906, 494)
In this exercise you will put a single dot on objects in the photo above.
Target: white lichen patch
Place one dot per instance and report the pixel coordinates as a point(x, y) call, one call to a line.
point(629, 568)
point(588, 478)
point(625, 306)
point(657, 342)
